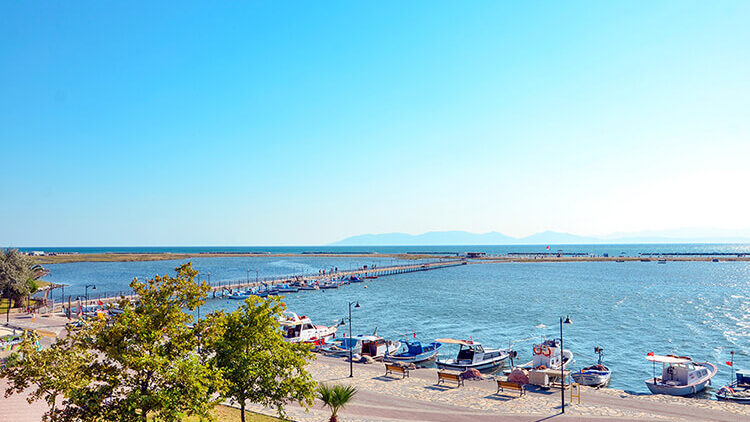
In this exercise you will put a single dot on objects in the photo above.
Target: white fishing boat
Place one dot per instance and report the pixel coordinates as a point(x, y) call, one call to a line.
point(473, 355)
point(300, 329)
point(680, 375)
point(595, 375)
point(548, 355)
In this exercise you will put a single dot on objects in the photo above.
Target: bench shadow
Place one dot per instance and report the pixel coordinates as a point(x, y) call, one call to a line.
point(539, 390)
point(386, 378)
point(440, 387)
point(501, 397)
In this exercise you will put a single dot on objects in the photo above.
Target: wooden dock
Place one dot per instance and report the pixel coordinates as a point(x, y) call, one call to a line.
point(222, 288)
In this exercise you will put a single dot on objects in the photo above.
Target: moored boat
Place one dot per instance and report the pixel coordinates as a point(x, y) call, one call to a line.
point(373, 346)
point(240, 295)
point(595, 375)
point(680, 375)
point(738, 391)
point(300, 329)
point(415, 352)
point(548, 355)
point(473, 355)
point(285, 288)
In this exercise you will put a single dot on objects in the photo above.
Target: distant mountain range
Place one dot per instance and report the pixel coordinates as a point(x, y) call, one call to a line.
point(546, 238)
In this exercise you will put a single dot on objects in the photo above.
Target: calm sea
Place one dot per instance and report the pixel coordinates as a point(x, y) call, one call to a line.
point(699, 309)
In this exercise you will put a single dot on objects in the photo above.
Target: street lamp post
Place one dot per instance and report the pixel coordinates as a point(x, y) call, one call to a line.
point(562, 369)
point(349, 345)
point(93, 287)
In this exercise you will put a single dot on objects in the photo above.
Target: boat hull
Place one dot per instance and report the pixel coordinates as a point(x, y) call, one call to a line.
point(591, 378)
point(680, 390)
point(421, 358)
point(485, 366)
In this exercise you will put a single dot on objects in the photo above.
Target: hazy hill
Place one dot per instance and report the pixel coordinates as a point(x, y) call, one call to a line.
point(546, 238)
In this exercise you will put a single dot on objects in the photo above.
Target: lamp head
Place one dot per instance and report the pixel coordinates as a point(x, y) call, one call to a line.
point(343, 322)
point(357, 305)
point(93, 287)
point(567, 320)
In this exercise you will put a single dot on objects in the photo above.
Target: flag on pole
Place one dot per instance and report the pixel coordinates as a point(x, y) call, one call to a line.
point(729, 363)
point(547, 247)
point(650, 354)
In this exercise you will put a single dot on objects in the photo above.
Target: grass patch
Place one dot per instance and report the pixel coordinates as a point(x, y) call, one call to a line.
point(4, 305)
point(230, 414)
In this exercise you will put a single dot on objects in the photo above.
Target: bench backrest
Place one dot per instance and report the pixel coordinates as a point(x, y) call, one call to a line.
point(506, 384)
point(448, 375)
point(394, 367)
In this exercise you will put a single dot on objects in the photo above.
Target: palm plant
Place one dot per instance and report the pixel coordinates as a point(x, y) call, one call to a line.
point(336, 397)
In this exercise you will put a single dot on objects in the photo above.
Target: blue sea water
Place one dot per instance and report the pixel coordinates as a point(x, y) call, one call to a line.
point(699, 309)
point(598, 249)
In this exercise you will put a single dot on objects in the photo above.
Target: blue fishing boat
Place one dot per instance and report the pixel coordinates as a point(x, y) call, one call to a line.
point(284, 288)
point(416, 352)
point(240, 295)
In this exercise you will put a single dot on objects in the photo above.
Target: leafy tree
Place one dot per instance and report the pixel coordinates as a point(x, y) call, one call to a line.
point(49, 372)
point(336, 397)
point(18, 275)
point(255, 361)
point(142, 365)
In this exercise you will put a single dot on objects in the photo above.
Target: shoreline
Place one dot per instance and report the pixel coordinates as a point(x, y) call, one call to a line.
point(167, 256)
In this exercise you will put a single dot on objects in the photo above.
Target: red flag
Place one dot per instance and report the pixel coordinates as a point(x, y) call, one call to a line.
point(100, 303)
point(547, 247)
point(415, 335)
point(729, 363)
point(650, 354)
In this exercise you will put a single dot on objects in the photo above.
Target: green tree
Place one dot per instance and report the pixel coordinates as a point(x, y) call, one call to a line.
point(50, 372)
point(143, 364)
point(255, 361)
point(336, 397)
point(18, 275)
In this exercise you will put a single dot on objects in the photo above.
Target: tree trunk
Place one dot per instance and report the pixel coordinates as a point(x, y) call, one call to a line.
point(242, 410)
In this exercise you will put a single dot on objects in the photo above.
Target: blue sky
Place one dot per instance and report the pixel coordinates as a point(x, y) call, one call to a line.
point(306, 122)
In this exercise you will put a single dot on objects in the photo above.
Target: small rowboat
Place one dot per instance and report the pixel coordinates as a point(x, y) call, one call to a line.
point(738, 391)
point(595, 375)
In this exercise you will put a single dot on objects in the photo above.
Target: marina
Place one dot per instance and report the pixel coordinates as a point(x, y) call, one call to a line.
point(625, 292)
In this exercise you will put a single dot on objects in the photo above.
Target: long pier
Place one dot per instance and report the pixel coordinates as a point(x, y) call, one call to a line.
point(221, 288)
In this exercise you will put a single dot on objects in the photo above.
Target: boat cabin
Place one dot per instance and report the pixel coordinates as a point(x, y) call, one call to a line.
point(470, 353)
point(301, 329)
point(547, 354)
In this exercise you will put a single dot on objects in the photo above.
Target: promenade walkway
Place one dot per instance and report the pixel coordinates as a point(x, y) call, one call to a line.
point(417, 398)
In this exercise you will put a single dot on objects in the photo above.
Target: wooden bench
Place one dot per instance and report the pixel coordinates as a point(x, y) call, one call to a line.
point(449, 376)
point(505, 385)
point(393, 369)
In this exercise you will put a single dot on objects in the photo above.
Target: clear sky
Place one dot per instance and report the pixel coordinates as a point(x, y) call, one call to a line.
point(260, 123)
